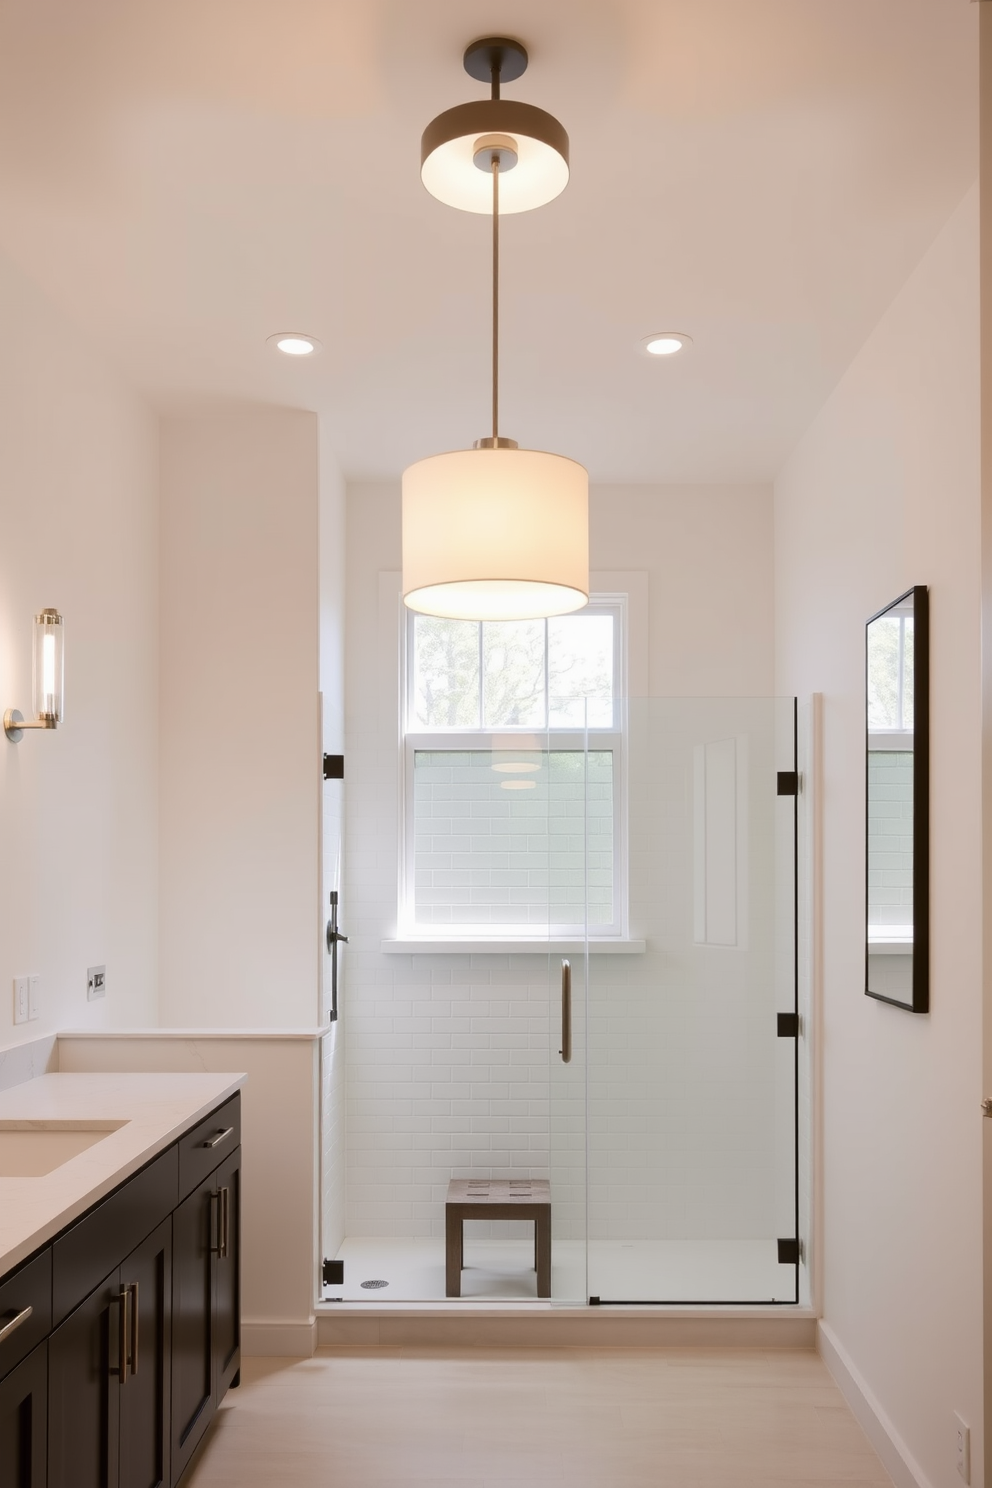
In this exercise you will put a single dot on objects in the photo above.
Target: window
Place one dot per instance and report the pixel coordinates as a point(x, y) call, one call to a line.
point(513, 775)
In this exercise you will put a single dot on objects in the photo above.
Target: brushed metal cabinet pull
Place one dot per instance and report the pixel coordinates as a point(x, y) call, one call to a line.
point(225, 1209)
point(220, 1137)
point(123, 1298)
point(216, 1248)
point(15, 1323)
point(566, 1013)
point(133, 1289)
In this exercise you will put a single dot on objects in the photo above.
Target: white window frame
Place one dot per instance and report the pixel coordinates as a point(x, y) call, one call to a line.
point(613, 738)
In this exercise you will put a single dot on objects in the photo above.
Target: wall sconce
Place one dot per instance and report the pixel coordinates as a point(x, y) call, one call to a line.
point(48, 679)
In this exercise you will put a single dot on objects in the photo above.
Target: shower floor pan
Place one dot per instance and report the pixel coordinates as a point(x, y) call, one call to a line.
point(687, 1272)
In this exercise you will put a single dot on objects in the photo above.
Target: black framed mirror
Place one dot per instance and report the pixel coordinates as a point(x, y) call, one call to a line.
point(897, 836)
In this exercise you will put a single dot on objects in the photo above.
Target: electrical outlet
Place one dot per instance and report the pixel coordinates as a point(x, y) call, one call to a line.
point(20, 999)
point(96, 982)
point(34, 997)
point(962, 1448)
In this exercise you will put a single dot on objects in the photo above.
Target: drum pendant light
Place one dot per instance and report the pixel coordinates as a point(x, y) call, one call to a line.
point(495, 532)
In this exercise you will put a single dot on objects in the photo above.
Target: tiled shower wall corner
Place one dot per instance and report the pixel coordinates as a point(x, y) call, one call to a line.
point(447, 1078)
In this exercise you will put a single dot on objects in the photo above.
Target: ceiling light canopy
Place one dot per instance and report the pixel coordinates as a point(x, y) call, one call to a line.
point(665, 343)
point(454, 154)
point(495, 532)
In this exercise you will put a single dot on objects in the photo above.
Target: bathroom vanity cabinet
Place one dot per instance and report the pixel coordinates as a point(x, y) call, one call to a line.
point(124, 1332)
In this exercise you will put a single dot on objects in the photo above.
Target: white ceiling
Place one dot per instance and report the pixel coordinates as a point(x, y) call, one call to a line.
point(189, 176)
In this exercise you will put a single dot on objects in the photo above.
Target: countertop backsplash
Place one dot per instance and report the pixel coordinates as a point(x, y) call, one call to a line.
point(20, 1062)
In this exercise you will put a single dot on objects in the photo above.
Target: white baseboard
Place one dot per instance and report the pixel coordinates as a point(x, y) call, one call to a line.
point(897, 1459)
point(287, 1340)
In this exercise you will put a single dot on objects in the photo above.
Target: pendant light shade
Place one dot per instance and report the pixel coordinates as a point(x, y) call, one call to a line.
point(495, 534)
point(452, 143)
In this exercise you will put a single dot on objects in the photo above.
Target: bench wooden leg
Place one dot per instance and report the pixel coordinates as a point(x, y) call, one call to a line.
point(542, 1245)
point(453, 1256)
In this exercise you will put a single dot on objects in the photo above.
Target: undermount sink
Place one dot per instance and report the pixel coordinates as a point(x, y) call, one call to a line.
point(30, 1149)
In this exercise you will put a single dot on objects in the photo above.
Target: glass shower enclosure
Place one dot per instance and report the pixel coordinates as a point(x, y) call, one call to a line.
point(674, 1119)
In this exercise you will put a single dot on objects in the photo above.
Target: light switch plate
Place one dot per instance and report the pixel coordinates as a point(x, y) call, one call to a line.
point(34, 997)
point(20, 999)
point(96, 982)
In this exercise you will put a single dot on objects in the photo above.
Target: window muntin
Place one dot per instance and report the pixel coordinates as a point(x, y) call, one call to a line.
point(496, 674)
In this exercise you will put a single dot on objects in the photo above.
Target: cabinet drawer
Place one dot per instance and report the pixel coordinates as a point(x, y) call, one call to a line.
point(208, 1144)
point(84, 1255)
point(30, 1287)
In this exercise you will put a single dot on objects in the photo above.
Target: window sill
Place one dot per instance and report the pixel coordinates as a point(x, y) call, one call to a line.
point(453, 945)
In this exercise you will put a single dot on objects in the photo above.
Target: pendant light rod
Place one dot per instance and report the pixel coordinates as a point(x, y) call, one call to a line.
point(495, 286)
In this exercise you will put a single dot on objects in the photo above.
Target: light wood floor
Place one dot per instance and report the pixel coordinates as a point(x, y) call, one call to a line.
point(530, 1418)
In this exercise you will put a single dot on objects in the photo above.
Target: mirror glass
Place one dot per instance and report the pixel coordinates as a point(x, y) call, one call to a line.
point(897, 770)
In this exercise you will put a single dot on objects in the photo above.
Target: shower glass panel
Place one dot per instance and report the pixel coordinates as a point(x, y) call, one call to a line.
point(690, 1049)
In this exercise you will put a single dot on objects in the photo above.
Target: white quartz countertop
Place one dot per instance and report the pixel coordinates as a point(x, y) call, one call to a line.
point(156, 1110)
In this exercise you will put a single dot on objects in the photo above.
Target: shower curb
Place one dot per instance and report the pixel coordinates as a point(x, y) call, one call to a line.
point(347, 1325)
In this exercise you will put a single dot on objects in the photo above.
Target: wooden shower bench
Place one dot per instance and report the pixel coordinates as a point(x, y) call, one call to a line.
point(496, 1198)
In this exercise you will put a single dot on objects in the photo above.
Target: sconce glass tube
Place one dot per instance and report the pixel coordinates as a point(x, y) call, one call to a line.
point(48, 678)
point(48, 666)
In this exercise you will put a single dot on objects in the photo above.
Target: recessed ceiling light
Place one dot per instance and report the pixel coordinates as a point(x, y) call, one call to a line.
point(665, 343)
point(294, 343)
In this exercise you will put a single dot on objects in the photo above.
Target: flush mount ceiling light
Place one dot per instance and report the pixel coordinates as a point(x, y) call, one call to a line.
point(294, 343)
point(532, 143)
point(665, 343)
point(495, 532)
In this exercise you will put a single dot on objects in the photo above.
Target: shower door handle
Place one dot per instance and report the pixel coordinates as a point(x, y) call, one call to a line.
point(566, 1013)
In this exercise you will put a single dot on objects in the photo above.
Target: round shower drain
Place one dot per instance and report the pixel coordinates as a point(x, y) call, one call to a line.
point(373, 1286)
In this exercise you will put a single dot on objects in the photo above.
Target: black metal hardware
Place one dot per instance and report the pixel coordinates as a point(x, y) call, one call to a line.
point(788, 1025)
point(333, 1273)
point(593, 1301)
point(334, 936)
point(333, 766)
point(788, 783)
point(788, 1253)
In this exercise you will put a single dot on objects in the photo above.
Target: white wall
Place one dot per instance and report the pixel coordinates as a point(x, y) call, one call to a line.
point(448, 1056)
point(883, 493)
point(240, 744)
point(78, 807)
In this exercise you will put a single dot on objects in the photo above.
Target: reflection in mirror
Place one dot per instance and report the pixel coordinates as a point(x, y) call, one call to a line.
point(897, 802)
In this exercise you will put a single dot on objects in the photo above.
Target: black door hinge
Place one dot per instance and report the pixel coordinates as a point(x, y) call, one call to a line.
point(788, 1025)
point(333, 1273)
point(333, 766)
point(788, 782)
point(789, 1252)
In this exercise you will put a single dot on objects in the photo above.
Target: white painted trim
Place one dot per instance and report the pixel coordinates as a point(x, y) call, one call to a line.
point(421, 945)
point(311, 1035)
point(897, 1459)
point(285, 1340)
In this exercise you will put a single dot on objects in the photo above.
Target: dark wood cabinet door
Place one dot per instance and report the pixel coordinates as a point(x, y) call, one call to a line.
point(195, 1226)
point(146, 1389)
point(227, 1275)
point(24, 1423)
point(84, 1392)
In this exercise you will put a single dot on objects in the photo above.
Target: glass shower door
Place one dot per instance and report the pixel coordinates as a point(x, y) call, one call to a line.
point(692, 1172)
